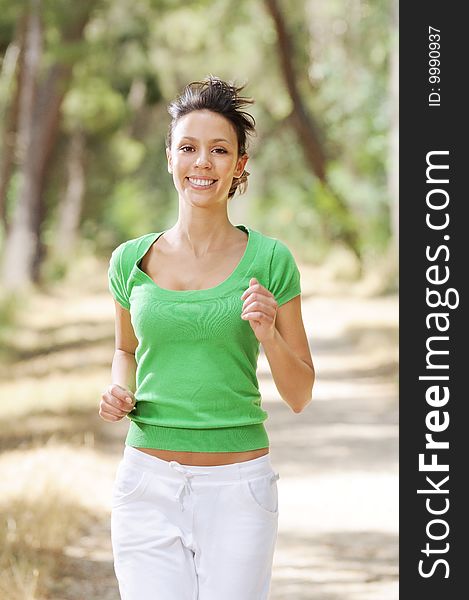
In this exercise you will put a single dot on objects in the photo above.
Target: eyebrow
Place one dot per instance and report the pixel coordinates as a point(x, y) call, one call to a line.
point(188, 137)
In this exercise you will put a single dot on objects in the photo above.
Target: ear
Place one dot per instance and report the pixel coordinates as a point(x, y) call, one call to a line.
point(240, 165)
point(170, 161)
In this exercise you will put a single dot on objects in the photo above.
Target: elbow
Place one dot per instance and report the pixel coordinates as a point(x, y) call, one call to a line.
point(300, 407)
point(118, 350)
point(297, 408)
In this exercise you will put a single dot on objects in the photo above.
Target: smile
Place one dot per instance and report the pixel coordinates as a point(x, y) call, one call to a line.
point(201, 183)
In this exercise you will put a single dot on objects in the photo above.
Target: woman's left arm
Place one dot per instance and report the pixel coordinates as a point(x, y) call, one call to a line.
point(282, 334)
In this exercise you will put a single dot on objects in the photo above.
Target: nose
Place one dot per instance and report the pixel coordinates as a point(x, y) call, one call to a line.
point(202, 161)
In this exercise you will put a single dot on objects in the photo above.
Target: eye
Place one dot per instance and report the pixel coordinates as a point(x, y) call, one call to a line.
point(217, 150)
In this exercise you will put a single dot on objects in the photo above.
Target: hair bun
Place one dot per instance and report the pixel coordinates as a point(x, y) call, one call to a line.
point(243, 177)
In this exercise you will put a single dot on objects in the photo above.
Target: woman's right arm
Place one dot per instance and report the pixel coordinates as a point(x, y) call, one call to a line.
point(114, 406)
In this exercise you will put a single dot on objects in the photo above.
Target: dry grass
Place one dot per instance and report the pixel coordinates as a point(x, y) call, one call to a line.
point(38, 519)
point(57, 348)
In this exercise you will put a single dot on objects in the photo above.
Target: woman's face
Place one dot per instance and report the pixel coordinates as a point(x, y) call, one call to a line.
point(204, 157)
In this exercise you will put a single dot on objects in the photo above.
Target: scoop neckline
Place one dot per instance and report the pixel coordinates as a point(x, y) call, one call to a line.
point(239, 271)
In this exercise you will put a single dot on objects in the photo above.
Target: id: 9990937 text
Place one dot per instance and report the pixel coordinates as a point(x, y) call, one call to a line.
point(434, 96)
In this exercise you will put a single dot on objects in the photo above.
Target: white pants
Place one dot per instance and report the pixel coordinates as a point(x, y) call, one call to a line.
point(184, 532)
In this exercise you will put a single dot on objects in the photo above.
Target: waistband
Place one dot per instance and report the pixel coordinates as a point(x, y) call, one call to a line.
point(223, 439)
point(248, 469)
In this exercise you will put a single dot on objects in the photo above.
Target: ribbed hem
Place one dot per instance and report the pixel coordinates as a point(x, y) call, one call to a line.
point(225, 439)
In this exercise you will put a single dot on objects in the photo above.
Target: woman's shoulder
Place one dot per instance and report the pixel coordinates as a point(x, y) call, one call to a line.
point(284, 280)
point(271, 243)
point(129, 250)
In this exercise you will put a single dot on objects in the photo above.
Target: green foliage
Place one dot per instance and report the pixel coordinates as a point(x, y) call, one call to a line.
point(94, 106)
point(129, 206)
point(128, 153)
point(137, 54)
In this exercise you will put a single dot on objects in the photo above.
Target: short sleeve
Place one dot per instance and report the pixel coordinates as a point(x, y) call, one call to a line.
point(117, 278)
point(284, 277)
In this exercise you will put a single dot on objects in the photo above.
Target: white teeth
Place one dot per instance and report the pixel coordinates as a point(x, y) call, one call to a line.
point(205, 182)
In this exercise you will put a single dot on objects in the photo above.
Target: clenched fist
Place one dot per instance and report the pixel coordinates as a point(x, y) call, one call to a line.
point(260, 309)
point(115, 403)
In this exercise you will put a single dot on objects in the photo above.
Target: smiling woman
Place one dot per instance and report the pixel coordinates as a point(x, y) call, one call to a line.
point(205, 163)
point(193, 304)
point(216, 107)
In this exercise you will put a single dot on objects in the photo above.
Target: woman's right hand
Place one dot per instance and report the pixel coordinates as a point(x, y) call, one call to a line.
point(115, 404)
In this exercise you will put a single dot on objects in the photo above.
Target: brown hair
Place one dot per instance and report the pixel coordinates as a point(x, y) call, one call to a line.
point(221, 97)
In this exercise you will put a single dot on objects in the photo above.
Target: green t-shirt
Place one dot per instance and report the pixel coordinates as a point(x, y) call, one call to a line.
point(196, 383)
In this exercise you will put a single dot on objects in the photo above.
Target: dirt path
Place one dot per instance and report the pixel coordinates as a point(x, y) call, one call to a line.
point(337, 462)
point(338, 459)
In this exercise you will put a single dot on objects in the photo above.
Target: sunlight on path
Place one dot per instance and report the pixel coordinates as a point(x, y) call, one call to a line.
point(338, 459)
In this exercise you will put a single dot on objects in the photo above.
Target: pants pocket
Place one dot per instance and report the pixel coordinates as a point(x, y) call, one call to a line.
point(130, 483)
point(262, 493)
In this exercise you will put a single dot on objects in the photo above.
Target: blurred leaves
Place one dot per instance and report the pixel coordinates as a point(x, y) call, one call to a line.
point(137, 55)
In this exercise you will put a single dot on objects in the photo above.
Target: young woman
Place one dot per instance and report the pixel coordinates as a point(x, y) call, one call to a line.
point(195, 505)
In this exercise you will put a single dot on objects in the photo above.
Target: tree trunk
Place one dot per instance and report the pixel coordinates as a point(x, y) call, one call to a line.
point(23, 248)
point(12, 69)
point(71, 207)
point(49, 102)
point(309, 134)
point(21, 240)
point(304, 124)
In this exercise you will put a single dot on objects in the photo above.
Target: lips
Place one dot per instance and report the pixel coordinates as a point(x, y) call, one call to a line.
point(201, 182)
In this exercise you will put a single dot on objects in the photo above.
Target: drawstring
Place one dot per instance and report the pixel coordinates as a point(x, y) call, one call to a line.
point(186, 485)
point(188, 474)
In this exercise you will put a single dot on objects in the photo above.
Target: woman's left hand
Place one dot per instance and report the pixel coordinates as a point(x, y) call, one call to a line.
point(260, 308)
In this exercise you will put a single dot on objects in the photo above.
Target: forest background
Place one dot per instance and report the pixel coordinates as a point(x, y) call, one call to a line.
point(84, 88)
point(83, 95)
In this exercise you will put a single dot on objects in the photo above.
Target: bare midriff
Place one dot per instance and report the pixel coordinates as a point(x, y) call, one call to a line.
point(205, 459)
